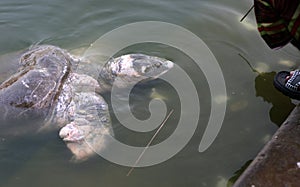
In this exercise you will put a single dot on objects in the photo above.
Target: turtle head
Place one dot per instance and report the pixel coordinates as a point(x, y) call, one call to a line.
point(148, 66)
point(132, 68)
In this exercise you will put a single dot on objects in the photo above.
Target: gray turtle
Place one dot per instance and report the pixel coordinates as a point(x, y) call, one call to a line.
point(47, 86)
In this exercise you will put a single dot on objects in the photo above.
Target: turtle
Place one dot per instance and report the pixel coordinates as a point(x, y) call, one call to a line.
point(48, 87)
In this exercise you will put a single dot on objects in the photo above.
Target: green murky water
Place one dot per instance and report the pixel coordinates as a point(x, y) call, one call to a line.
point(254, 108)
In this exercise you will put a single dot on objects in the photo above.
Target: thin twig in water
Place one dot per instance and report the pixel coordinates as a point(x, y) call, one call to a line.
point(247, 13)
point(253, 69)
point(148, 145)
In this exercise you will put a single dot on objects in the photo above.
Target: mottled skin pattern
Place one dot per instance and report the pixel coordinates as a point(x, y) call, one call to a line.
point(46, 86)
point(87, 116)
point(21, 96)
point(132, 68)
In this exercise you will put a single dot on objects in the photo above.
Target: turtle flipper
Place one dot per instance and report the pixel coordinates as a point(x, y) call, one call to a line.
point(90, 120)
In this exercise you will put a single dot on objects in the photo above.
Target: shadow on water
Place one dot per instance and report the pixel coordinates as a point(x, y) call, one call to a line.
point(281, 108)
point(281, 104)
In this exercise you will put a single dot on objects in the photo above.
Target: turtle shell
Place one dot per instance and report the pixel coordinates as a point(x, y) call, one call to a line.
point(34, 89)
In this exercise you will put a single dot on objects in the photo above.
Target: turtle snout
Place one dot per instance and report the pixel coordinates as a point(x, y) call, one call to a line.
point(71, 133)
point(169, 64)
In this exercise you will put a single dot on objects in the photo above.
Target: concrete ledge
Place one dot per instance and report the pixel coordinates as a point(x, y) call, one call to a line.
point(276, 163)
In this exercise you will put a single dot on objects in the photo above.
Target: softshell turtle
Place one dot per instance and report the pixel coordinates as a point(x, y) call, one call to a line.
point(47, 86)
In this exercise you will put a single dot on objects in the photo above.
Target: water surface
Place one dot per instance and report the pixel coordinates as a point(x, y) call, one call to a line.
point(253, 106)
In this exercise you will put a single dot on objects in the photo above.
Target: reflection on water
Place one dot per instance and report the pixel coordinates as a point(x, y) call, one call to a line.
point(281, 104)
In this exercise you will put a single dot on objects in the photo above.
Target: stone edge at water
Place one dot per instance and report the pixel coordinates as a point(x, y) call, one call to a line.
point(277, 163)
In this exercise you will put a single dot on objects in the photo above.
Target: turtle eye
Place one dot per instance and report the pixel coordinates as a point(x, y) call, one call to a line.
point(147, 69)
point(157, 64)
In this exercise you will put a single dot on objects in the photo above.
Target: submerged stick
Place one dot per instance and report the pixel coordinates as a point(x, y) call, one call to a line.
point(148, 145)
point(252, 68)
point(247, 13)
